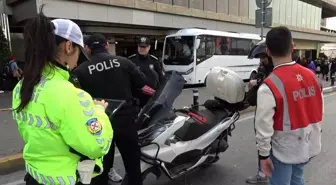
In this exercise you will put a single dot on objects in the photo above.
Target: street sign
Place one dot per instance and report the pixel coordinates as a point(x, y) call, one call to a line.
point(263, 15)
point(266, 18)
point(266, 3)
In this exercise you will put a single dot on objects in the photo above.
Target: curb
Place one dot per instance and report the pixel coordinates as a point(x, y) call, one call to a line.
point(11, 163)
point(5, 109)
point(15, 162)
point(329, 89)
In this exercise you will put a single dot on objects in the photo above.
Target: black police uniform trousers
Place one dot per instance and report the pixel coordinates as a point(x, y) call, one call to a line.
point(30, 180)
point(125, 137)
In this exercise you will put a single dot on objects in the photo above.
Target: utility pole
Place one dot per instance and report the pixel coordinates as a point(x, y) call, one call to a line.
point(262, 19)
point(263, 15)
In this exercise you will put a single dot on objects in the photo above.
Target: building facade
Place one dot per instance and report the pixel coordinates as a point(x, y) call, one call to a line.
point(123, 21)
point(297, 13)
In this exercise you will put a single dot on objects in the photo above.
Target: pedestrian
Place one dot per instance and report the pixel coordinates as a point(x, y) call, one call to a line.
point(14, 68)
point(312, 67)
point(149, 65)
point(318, 67)
point(59, 123)
point(288, 130)
point(332, 71)
point(264, 69)
point(325, 69)
point(113, 77)
point(10, 74)
point(304, 62)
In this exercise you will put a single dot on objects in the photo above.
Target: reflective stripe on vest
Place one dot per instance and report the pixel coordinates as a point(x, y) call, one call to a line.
point(49, 180)
point(281, 88)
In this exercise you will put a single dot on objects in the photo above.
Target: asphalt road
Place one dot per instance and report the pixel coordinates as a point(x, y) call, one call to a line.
point(240, 159)
point(5, 100)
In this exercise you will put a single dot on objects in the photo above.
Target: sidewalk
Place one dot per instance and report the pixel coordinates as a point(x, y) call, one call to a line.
point(10, 141)
point(326, 83)
point(5, 100)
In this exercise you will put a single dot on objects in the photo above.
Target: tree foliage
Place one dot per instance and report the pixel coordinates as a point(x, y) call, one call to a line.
point(4, 48)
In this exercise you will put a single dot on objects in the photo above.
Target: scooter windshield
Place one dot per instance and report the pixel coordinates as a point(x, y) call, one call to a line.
point(160, 106)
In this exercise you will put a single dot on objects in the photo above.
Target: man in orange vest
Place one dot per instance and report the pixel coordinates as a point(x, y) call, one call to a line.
point(288, 130)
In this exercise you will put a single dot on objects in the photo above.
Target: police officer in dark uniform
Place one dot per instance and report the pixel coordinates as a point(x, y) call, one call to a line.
point(113, 77)
point(82, 58)
point(149, 65)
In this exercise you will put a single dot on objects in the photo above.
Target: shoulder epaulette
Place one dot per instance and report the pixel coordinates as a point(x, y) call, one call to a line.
point(132, 56)
point(154, 57)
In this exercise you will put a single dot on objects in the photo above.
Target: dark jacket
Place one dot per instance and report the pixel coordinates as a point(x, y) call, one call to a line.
point(262, 74)
point(152, 69)
point(333, 67)
point(325, 67)
point(110, 77)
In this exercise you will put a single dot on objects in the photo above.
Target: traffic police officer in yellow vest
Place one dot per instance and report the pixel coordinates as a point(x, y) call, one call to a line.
point(66, 132)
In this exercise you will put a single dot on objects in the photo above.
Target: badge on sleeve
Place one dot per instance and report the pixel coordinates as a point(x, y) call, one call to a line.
point(94, 126)
point(151, 66)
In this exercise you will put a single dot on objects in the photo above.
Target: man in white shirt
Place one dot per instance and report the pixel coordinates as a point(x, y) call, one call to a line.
point(288, 131)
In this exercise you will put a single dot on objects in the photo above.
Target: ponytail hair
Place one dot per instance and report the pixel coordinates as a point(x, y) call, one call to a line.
point(40, 50)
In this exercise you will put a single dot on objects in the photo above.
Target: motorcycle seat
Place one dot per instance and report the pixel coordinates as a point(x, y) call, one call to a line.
point(199, 123)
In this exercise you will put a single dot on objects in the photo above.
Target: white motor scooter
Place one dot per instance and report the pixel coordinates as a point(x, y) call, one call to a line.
point(177, 142)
